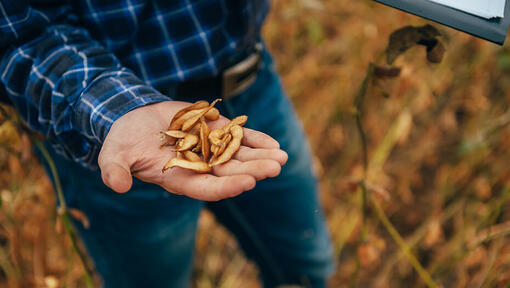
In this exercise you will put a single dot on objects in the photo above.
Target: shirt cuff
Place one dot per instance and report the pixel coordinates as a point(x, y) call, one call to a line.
point(110, 96)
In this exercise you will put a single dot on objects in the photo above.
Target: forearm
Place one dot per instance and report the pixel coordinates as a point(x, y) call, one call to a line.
point(66, 86)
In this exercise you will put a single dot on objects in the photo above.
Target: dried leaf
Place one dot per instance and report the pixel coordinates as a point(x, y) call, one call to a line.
point(435, 52)
point(410, 36)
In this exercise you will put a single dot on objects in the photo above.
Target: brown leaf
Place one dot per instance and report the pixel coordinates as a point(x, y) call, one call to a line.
point(409, 36)
point(435, 53)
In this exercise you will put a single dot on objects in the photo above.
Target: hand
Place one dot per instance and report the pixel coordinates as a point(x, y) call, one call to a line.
point(131, 148)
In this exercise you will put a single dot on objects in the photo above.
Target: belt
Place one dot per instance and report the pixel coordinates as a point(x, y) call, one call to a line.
point(231, 81)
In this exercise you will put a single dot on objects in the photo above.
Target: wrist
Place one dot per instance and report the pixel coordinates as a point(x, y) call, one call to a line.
point(108, 99)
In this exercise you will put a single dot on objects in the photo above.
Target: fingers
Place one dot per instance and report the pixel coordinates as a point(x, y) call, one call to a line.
point(207, 187)
point(260, 169)
point(116, 176)
point(257, 139)
point(247, 154)
point(115, 171)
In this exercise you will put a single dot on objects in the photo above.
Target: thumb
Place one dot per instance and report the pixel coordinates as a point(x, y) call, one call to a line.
point(116, 176)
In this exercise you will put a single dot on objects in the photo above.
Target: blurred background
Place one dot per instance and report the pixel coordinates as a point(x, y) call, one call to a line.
point(438, 143)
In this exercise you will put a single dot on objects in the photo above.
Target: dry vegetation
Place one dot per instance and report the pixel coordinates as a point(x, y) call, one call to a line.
point(438, 150)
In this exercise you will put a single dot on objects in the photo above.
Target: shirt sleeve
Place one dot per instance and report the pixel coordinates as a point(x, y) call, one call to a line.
point(63, 83)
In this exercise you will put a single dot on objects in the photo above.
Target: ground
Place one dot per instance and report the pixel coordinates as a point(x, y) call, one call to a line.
point(438, 141)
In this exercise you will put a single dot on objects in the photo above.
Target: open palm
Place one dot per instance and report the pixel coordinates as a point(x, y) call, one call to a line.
point(131, 148)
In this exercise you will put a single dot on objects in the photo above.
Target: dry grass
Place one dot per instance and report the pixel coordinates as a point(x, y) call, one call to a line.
point(438, 143)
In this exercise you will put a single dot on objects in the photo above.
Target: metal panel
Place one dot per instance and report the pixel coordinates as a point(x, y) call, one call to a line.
point(494, 30)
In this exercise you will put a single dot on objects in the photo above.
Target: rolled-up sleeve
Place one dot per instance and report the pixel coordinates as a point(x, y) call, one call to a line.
point(63, 83)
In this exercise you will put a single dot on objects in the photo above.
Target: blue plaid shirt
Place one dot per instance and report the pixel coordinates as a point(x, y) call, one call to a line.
point(72, 69)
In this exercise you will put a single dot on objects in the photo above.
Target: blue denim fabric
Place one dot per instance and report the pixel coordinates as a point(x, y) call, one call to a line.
point(145, 238)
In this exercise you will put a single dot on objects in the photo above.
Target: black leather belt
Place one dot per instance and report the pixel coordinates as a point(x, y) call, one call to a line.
point(232, 81)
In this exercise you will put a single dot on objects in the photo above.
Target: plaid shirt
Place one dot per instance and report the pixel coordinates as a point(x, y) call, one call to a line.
point(72, 69)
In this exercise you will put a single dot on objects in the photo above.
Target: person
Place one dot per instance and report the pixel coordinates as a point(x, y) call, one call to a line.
point(99, 79)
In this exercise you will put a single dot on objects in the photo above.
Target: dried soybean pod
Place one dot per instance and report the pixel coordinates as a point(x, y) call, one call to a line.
point(173, 136)
point(187, 142)
point(195, 130)
point(233, 146)
point(178, 143)
point(191, 156)
point(198, 147)
point(221, 146)
point(239, 120)
point(224, 143)
point(170, 142)
point(176, 123)
point(200, 166)
point(215, 136)
point(175, 133)
point(204, 138)
point(197, 105)
point(190, 122)
point(212, 114)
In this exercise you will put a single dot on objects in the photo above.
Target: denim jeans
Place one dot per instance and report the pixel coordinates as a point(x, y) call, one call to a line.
point(145, 238)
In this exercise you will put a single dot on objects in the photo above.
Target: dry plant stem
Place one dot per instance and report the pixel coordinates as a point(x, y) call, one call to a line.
point(491, 233)
point(364, 210)
point(488, 269)
point(10, 271)
point(62, 211)
point(414, 239)
point(358, 106)
point(424, 275)
point(496, 214)
point(354, 277)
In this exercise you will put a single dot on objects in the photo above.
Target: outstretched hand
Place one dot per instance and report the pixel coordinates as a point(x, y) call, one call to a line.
point(131, 148)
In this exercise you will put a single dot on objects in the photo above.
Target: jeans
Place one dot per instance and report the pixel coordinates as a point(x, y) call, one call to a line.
point(145, 238)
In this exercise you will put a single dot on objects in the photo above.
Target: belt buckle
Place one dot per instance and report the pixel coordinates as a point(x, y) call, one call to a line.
point(239, 77)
